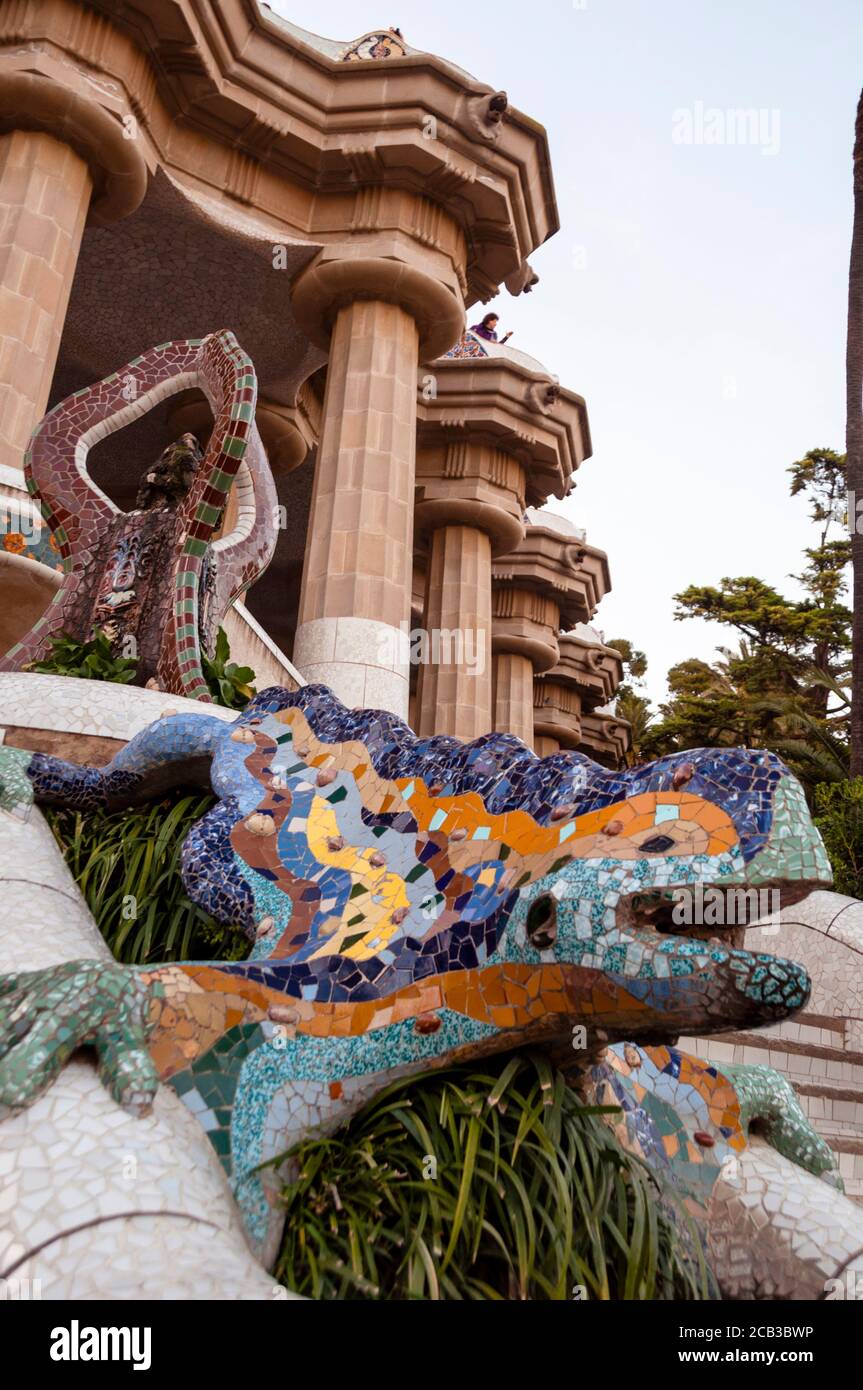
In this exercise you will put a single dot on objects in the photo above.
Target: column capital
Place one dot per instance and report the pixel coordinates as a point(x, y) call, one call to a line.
point(118, 169)
point(525, 623)
point(391, 269)
point(289, 432)
point(465, 483)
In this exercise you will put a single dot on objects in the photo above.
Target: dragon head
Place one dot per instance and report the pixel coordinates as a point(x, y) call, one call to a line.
point(665, 868)
point(526, 894)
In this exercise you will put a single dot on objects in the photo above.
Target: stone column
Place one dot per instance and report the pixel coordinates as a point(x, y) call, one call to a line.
point(454, 690)
point(524, 643)
point(355, 604)
point(470, 501)
point(63, 160)
point(379, 315)
point(587, 675)
point(513, 695)
point(552, 580)
point(491, 445)
point(44, 196)
point(544, 746)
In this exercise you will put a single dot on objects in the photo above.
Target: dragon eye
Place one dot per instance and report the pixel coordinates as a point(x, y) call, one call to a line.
point(542, 922)
point(658, 844)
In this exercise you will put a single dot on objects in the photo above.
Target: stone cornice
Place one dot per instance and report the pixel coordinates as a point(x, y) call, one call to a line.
point(606, 735)
point(502, 403)
point(567, 570)
point(226, 71)
point(592, 669)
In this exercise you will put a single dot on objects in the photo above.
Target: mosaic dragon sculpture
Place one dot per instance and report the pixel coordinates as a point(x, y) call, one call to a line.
point(416, 902)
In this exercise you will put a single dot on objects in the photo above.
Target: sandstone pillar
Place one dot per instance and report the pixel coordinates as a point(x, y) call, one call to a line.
point(496, 436)
point(454, 690)
point(44, 196)
point(355, 603)
point(513, 695)
point(470, 500)
point(551, 581)
point(586, 676)
point(380, 304)
point(63, 160)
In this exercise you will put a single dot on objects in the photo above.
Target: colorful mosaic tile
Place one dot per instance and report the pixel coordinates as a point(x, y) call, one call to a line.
point(411, 900)
point(468, 345)
point(386, 44)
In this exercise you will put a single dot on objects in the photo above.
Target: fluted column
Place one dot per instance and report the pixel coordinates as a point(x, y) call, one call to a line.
point(513, 695)
point(524, 643)
point(355, 604)
point(380, 302)
point(470, 502)
point(454, 689)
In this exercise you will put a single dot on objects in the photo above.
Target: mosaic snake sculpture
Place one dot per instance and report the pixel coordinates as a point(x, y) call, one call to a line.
point(416, 902)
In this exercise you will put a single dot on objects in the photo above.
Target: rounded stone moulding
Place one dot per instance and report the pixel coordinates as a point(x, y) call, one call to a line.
point(331, 283)
point(503, 528)
point(117, 165)
point(542, 652)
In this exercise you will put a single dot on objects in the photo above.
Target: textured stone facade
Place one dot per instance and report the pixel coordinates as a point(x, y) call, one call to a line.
point(343, 251)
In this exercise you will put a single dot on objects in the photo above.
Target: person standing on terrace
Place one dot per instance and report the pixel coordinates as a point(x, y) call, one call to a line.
point(488, 329)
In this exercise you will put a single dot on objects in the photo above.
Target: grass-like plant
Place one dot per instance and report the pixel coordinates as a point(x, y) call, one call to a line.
point(488, 1181)
point(127, 865)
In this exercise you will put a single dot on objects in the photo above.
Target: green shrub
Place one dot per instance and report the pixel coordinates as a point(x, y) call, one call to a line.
point(838, 814)
point(230, 684)
point(127, 865)
point(531, 1195)
point(92, 660)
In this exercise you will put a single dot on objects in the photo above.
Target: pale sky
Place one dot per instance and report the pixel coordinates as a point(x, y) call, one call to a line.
point(695, 294)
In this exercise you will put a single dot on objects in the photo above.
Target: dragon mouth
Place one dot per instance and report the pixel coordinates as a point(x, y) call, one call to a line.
point(717, 912)
point(724, 986)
